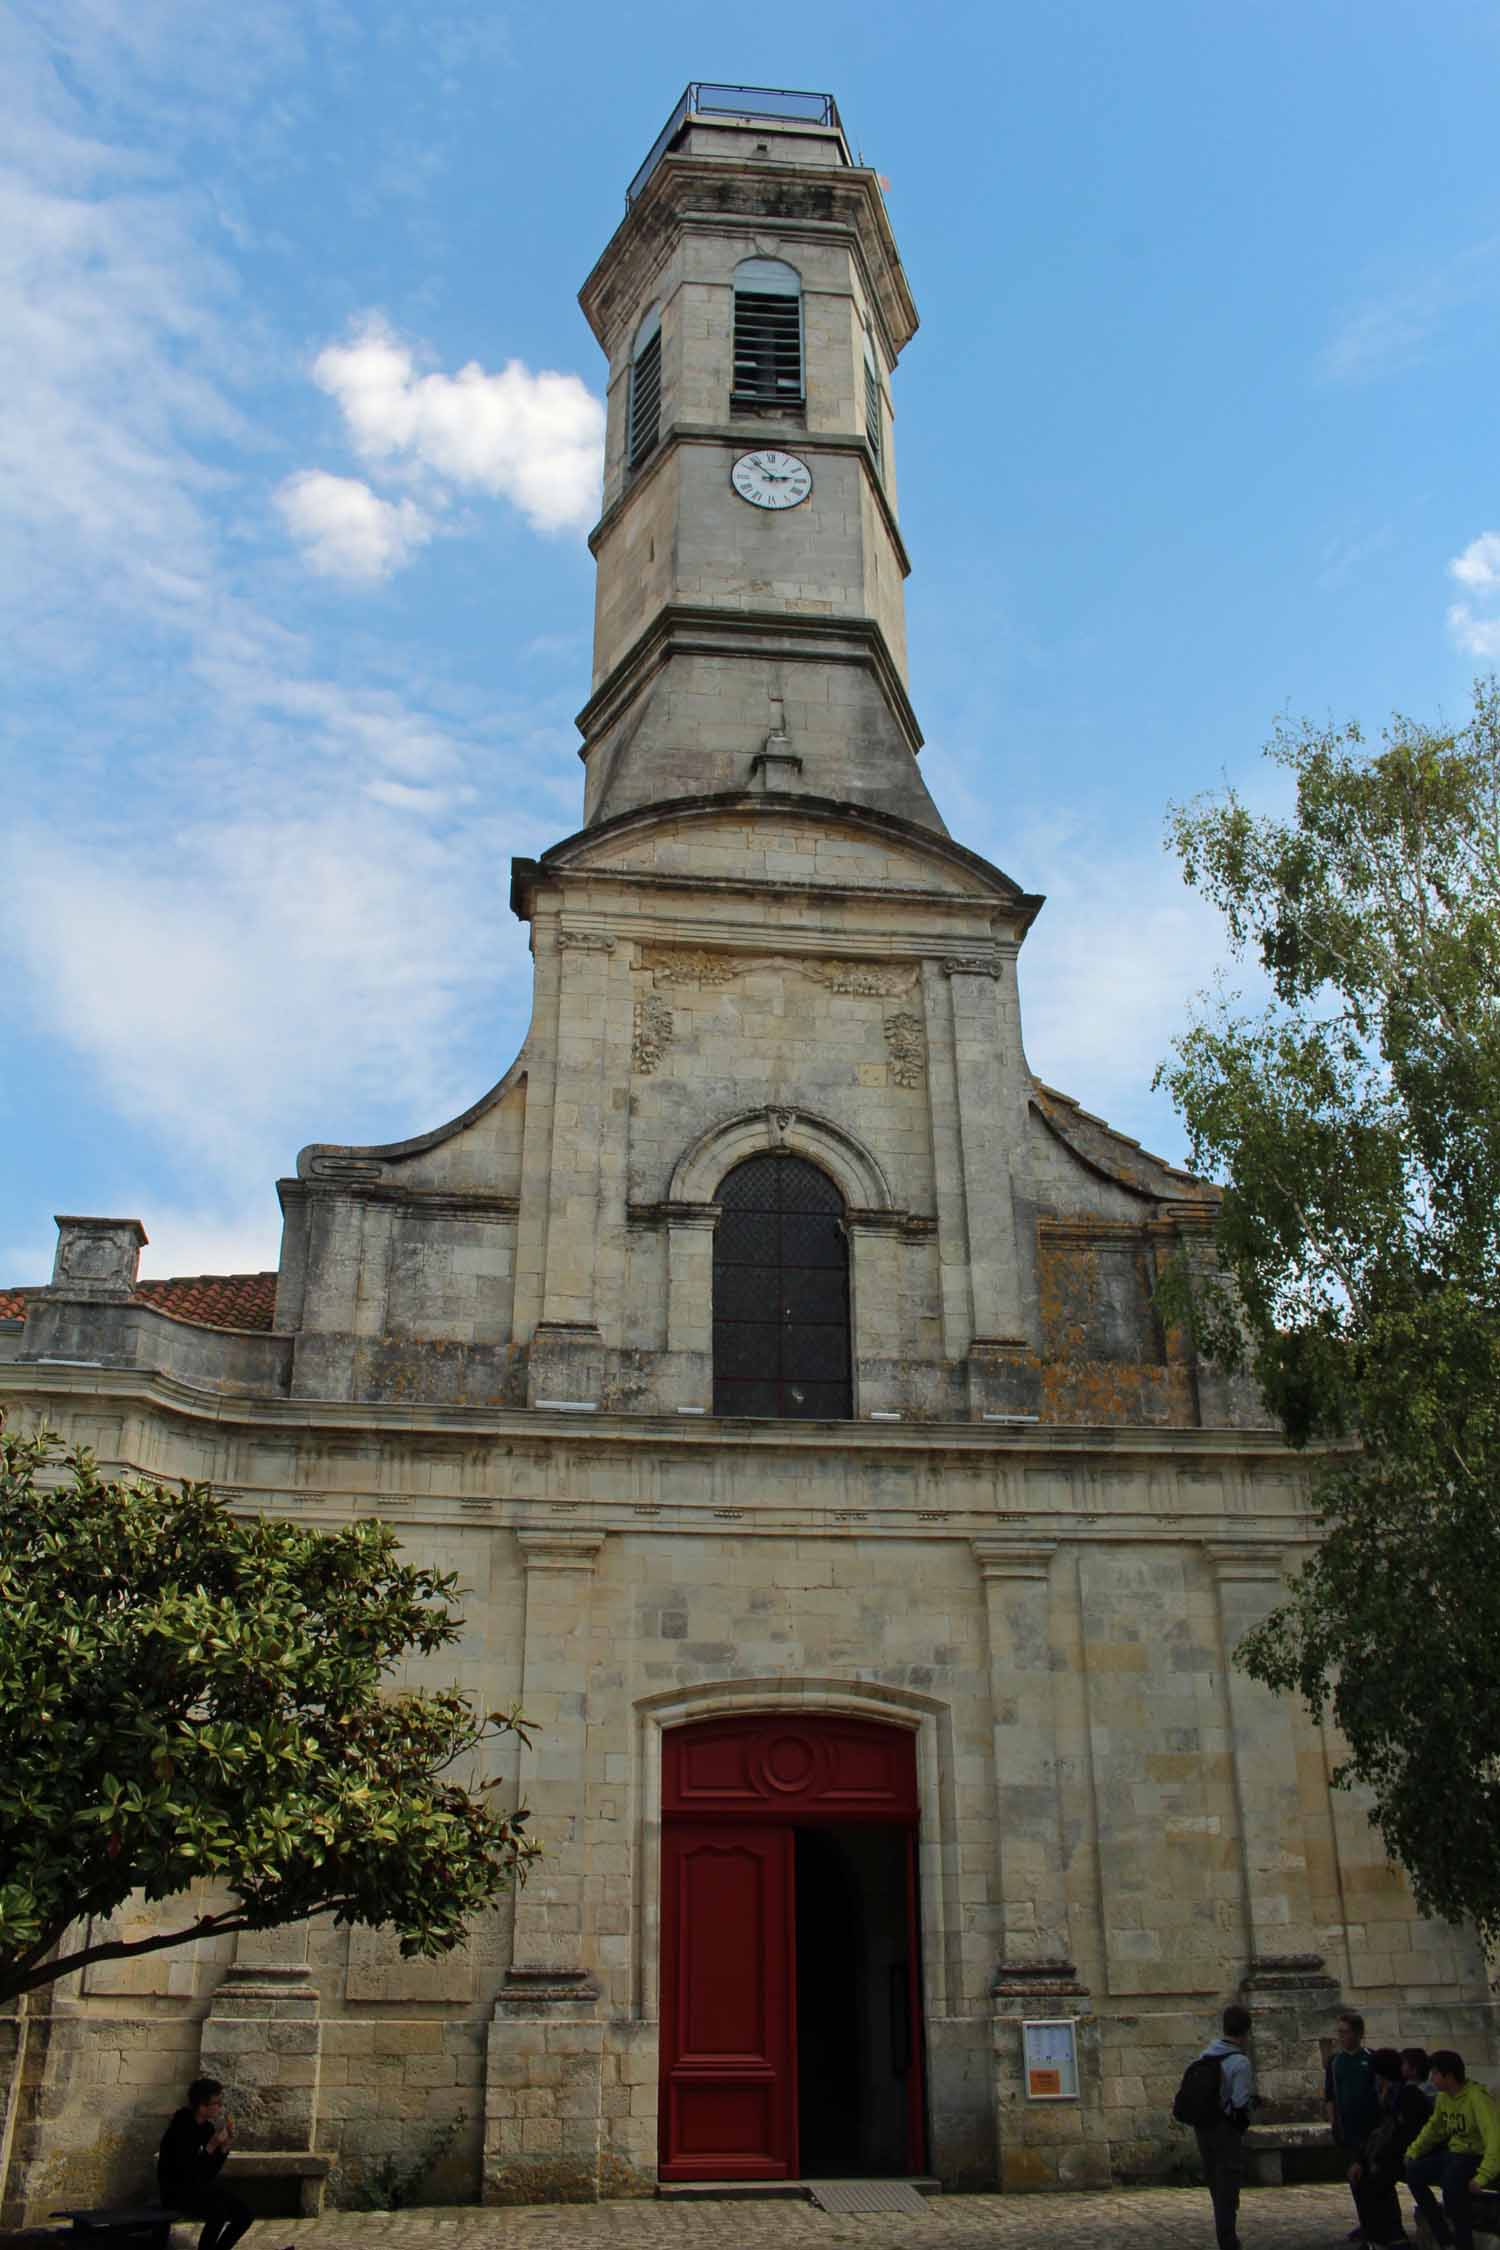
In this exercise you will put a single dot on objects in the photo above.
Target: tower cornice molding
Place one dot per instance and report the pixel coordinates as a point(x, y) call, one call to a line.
point(1021, 907)
point(739, 197)
point(686, 627)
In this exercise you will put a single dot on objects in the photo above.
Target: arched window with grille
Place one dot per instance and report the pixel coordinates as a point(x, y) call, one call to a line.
point(643, 405)
point(767, 332)
point(874, 422)
point(781, 1293)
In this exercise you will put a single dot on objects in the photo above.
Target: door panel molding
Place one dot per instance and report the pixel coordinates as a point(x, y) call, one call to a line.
point(730, 2104)
point(931, 1722)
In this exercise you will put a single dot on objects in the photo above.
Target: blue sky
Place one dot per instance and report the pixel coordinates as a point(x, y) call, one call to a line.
point(299, 447)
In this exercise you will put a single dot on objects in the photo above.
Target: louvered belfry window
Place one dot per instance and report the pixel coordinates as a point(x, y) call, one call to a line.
point(643, 410)
point(767, 332)
point(874, 427)
point(781, 1293)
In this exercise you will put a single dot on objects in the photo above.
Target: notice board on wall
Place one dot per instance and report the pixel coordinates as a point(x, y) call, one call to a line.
point(1049, 2045)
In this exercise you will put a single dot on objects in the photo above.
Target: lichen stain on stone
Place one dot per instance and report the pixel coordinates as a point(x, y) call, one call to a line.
point(1105, 1358)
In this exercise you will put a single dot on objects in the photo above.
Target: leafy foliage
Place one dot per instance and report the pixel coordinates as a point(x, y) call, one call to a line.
point(1356, 1123)
point(189, 1698)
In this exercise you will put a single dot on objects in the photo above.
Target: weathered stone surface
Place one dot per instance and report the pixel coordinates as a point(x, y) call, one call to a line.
point(1034, 1542)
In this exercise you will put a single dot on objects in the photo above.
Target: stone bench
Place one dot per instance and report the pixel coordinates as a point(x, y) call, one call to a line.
point(266, 2168)
point(1486, 2221)
point(1311, 2147)
point(127, 2226)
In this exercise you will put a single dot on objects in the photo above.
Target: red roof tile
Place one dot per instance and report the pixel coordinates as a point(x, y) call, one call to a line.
point(208, 1300)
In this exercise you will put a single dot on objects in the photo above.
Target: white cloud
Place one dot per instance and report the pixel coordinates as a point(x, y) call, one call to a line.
point(536, 440)
point(347, 531)
point(1475, 635)
point(1392, 330)
point(189, 1239)
point(26, 1265)
point(201, 979)
point(1478, 566)
point(1108, 974)
point(260, 905)
point(1475, 624)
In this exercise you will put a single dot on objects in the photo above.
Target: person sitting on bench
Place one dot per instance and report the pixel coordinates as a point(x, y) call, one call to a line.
point(1458, 2149)
point(189, 2161)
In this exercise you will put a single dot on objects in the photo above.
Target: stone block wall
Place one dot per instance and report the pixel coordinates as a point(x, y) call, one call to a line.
point(1051, 1615)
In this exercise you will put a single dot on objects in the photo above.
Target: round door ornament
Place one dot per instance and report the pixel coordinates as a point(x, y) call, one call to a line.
point(771, 480)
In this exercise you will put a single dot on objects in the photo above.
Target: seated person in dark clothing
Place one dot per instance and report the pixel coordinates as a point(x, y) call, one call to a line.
point(188, 2163)
point(1404, 2110)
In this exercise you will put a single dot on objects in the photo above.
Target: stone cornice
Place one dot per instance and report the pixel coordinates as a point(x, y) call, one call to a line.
point(1013, 1558)
point(420, 1203)
point(729, 195)
point(930, 843)
point(687, 628)
point(360, 1420)
point(561, 1550)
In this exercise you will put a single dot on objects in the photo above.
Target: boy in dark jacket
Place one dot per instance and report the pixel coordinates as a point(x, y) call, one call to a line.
point(1349, 2093)
point(189, 2161)
point(1374, 2173)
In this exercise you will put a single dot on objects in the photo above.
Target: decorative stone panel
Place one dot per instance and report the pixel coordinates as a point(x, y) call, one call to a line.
point(98, 1258)
point(655, 1028)
point(907, 1043)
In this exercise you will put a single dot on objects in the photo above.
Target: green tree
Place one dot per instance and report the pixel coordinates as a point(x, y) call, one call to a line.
point(191, 1698)
point(1355, 1123)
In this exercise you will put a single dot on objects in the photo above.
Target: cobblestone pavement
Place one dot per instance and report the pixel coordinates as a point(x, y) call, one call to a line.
point(1286, 2218)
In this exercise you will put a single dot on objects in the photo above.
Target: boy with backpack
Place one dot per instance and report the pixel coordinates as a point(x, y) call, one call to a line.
point(1214, 2098)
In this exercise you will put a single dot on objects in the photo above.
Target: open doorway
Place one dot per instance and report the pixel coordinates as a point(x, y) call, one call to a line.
point(791, 2041)
point(854, 2002)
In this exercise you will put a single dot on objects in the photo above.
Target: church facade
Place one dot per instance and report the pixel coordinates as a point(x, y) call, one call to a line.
point(773, 1357)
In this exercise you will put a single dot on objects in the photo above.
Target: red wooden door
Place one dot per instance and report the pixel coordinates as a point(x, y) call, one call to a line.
point(734, 1792)
point(729, 2073)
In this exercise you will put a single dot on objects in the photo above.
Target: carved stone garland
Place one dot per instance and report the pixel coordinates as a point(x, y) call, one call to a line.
point(655, 1029)
point(677, 964)
point(907, 1044)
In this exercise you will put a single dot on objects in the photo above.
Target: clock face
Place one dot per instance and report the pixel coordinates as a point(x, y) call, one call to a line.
point(771, 480)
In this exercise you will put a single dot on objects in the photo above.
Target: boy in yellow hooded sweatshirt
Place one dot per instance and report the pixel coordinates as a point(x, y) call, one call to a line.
point(1457, 2149)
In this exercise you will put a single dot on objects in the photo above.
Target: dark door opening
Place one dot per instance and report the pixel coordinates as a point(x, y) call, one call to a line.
point(854, 2003)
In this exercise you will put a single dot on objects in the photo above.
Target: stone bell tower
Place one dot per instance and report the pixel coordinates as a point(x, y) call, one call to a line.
point(749, 625)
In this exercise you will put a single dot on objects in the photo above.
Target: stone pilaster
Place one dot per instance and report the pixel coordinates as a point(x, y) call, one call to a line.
point(1278, 1896)
point(1286, 1986)
point(545, 2062)
point(264, 2038)
point(1042, 2144)
point(560, 1260)
point(878, 1338)
point(989, 1113)
point(690, 1311)
point(1028, 1821)
point(1047, 2144)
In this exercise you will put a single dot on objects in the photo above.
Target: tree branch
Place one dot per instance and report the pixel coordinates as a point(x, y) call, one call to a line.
point(20, 1978)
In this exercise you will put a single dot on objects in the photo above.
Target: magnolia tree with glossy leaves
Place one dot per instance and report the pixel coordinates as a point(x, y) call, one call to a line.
point(194, 1704)
point(1355, 1124)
